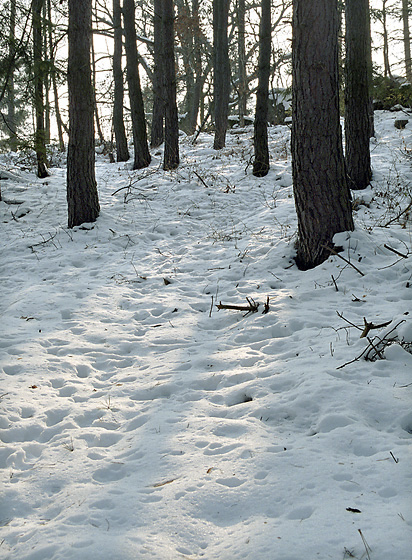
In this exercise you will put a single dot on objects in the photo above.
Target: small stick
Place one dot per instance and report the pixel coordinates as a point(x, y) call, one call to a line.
point(334, 281)
point(343, 258)
point(395, 251)
point(393, 457)
point(370, 326)
point(211, 308)
point(367, 547)
point(200, 179)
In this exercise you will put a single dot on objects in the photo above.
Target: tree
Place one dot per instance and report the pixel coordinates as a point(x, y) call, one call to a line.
point(322, 196)
point(221, 71)
point(122, 151)
point(171, 149)
point(82, 196)
point(357, 118)
point(407, 39)
point(39, 76)
point(142, 156)
point(11, 107)
point(241, 50)
point(261, 161)
point(157, 131)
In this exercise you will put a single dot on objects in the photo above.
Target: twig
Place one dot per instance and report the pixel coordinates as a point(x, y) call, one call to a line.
point(344, 319)
point(252, 306)
point(395, 251)
point(334, 281)
point(200, 179)
point(370, 326)
point(211, 308)
point(343, 258)
point(367, 547)
point(393, 457)
point(266, 307)
point(399, 215)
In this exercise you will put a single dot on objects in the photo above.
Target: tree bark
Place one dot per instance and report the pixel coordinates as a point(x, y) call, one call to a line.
point(82, 196)
point(38, 71)
point(142, 156)
point(407, 39)
point(322, 196)
point(242, 77)
point(157, 132)
point(122, 151)
point(221, 71)
point(171, 148)
point(11, 108)
point(357, 123)
point(261, 162)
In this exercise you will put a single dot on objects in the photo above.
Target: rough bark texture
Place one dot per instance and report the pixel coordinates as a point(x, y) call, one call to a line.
point(241, 50)
point(40, 134)
point(322, 196)
point(157, 132)
point(221, 71)
point(261, 161)
point(82, 196)
point(142, 156)
point(122, 151)
point(407, 39)
point(357, 118)
point(171, 148)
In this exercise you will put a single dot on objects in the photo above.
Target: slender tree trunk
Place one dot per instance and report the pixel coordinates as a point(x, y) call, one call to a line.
point(157, 132)
point(122, 151)
point(11, 107)
point(142, 156)
point(386, 64)
point(96, 111)
point(370, 80)
point(171, 149)
point(261, 162)
point(242, 78)
point(322, 196)
point(199, 79)
point(82, 196)
point(357, 124)
point(53, 79)
point(38, 71)
point(407, 39)
point(221, 71)
point(46, 82)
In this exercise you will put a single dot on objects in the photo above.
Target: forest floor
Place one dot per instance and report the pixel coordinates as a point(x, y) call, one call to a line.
point(140, 421)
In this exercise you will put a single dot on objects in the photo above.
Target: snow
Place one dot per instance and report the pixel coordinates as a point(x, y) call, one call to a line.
point(138, 421)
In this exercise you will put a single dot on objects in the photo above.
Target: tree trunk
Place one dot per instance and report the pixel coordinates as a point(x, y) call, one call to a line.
point(242, 78)
point(171, 149)
point(11, 108)
point(82, 196)
point(357, 124)
point(221, 71)
point(53, 78)
point(96, 111)
point(386, 64)
point(261, 162)
point(322, 196)
point(142, 156)
point(38, 71)
point(407, 40)
point(157, 132)
point(122, 151)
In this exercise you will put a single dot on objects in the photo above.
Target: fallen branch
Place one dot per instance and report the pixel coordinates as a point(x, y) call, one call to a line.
point(252, 306)
point(396, 252)
point(343, 258)
point(371, 326)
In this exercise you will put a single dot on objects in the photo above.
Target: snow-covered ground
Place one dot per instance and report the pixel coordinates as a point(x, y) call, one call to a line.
point(139, 421)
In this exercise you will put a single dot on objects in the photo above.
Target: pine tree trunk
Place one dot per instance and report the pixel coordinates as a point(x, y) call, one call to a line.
point(407, 39)
point(122, 151)
point(322, 196)
point(171, 148)
point(96, 111)
point(261, 161)
point(40, 134)
point(82, 196)
point(242, 78)
point(221, 71)
point(357, 123)
point(157, 132)
point(11, 109)
point(386, 64)
point(142, 156)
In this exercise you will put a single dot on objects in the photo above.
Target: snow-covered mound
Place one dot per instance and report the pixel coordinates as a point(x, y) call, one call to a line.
point(139, 421)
